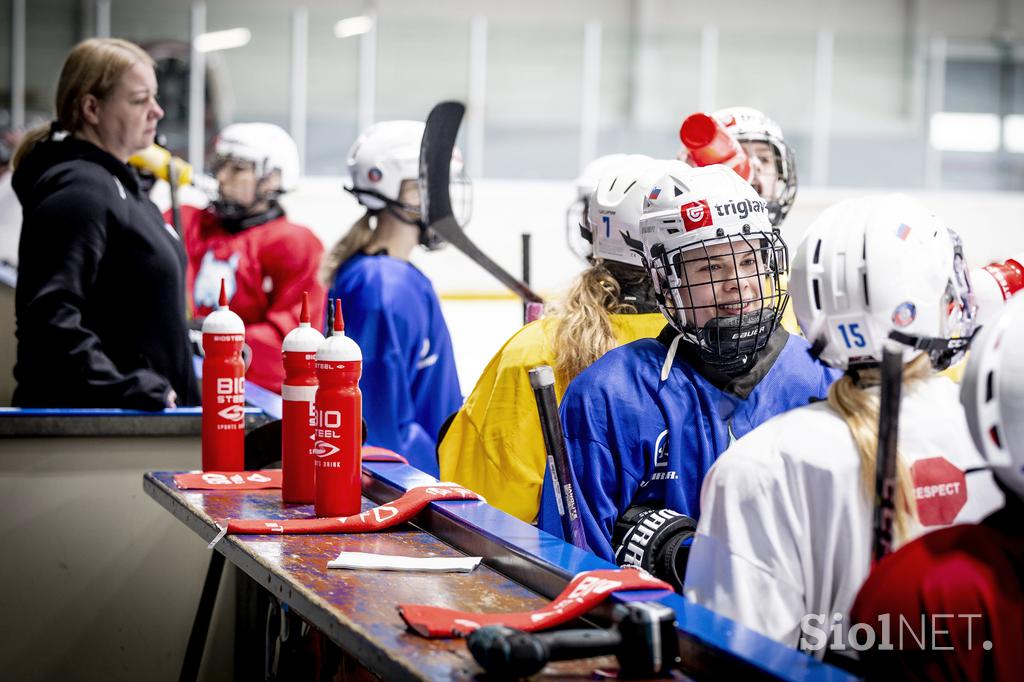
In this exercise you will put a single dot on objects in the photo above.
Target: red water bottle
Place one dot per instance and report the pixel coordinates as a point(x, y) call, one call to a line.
point(298, 416)
point(223, 389)
point(708, 142)
point(337, 462)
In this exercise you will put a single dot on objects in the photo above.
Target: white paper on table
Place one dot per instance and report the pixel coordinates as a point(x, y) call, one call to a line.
point(388, 562)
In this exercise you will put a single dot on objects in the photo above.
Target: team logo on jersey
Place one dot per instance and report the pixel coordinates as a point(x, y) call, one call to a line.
point(206, 288)
point(661, 450)
point(324, 449)
point(662, 472)
point(374, 174)
point(696, 214)
point(904, 314)
point(426, 358)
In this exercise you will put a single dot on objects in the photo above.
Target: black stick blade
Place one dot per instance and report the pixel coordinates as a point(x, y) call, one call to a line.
point(439, 135)
point(442, 128)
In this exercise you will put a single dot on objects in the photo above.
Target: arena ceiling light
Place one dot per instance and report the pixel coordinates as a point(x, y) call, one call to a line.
point(353, 26)
point(223, 40)
point(960, 132)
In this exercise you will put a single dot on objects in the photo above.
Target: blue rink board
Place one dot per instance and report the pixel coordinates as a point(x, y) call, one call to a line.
point(717, 636)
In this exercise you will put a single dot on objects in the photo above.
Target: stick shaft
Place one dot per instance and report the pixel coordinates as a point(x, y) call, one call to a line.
point(559, 466)
point(886, 464)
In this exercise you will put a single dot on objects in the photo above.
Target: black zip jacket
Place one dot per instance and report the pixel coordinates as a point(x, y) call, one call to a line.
point(100, 300)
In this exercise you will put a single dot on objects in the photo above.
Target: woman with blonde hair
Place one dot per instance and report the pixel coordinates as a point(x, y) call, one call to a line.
point(494, 443)
point(100, 296)
point(784, 538)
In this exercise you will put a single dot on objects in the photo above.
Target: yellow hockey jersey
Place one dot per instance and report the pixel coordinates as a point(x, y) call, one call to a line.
point(494, 444)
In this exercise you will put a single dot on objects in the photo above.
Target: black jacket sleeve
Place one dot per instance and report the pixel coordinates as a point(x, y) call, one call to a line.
point(63, 244)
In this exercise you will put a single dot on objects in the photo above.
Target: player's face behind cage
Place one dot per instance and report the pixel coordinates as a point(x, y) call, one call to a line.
point(236, 180)
point(407, 207)
point(767, 167)
point(728, 293)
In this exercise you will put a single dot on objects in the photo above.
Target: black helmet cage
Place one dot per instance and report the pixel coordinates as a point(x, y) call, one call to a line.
point(412, 214)
point(409, 214)
point(785, 168)
point(730, 337)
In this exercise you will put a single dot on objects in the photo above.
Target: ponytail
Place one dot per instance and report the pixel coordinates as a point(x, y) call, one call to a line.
point(28, 141)
point(859, 409)
point(354, 241)
point(584, 331)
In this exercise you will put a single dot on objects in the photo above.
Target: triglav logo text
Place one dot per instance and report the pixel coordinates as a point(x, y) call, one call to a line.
point(742, 208)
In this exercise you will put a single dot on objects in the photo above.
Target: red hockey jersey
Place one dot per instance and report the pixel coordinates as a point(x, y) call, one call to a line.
point(266, 268)
point(952, 603)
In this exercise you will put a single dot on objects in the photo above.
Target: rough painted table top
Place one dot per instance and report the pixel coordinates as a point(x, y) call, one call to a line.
point(356, 608)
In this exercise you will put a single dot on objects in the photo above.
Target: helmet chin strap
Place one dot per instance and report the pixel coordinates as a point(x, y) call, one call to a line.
point(429, 239)
point(744, 336)
point(940, 350)
point(235, 217)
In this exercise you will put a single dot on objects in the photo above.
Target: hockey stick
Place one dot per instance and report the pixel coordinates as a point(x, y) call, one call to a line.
point(435, 177)
point(885, 466)
point(172, 180)
point(542, 379)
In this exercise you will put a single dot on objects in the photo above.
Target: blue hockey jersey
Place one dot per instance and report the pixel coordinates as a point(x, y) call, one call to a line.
point(636, 440)
point(409, 382)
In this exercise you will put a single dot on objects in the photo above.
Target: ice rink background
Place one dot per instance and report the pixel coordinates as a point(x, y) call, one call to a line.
point(482, 314)
point(991, 224)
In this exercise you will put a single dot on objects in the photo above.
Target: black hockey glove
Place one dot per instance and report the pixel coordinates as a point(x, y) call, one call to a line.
point(656, 540)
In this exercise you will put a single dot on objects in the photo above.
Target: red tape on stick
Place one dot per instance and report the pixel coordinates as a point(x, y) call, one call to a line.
point(583, 593)
point(379, 518)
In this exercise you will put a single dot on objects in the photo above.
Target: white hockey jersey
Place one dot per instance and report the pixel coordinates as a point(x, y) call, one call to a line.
point(785, 532)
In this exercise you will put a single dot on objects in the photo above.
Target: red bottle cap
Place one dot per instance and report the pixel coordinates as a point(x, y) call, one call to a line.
point(698, 130)
point(339, 321)
point(223, 293)
point(304, 313)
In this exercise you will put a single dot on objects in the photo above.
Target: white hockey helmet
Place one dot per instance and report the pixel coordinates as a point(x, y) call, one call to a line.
point(614, 208)
point(749, 125)
point(706, 235)
point(388, 153)
point(992, 394)
point(877, 268)
point(266, 145)
point(576, 215)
